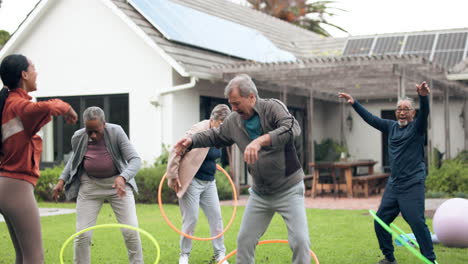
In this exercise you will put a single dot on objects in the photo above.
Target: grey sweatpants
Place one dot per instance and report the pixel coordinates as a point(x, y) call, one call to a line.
point(258, 214)
point(19, 208)
point(205, 195)
point(93, 192)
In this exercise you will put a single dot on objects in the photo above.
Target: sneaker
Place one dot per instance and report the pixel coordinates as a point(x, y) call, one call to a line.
point(386, 261)
point(219, 258)
point(183, 259)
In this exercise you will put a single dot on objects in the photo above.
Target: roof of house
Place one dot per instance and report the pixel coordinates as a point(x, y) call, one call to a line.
point(324, 77)
point(461, 67)
point(199, 62)
point(460, 71)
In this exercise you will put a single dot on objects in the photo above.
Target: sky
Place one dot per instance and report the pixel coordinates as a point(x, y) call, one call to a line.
point(362, 17)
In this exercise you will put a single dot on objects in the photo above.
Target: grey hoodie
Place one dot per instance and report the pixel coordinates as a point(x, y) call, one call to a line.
point(278, 167)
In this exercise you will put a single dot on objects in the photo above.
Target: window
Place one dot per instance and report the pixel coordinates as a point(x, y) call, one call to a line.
point(115, 107)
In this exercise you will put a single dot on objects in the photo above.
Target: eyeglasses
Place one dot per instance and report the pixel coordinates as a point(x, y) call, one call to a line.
point(404, 110)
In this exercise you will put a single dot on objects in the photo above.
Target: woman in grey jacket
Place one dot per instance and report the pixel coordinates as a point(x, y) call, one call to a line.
point(192, 177)
point(102, 167)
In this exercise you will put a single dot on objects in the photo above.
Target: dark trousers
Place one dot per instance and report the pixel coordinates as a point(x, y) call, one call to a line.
point(410, 202)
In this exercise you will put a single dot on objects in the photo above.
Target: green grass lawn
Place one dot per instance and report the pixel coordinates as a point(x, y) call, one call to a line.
point(337, 236)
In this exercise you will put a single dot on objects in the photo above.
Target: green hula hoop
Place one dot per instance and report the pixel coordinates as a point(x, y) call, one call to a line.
point(397, 237)
point(109, 226)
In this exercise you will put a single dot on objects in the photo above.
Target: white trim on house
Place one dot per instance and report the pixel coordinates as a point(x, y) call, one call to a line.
point(191, 84)
point(457, 76)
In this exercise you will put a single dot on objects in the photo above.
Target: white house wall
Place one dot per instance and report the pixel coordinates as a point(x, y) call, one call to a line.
point(181, 110)
point(456, 127)
point(364, 141)
point(83, 48)
point(326, 123)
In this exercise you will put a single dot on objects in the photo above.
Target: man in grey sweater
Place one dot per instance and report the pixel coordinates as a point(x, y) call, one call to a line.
point(264, 131)
point(102, 167)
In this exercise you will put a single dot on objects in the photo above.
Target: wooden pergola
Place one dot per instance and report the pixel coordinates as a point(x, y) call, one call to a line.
point(367, 78)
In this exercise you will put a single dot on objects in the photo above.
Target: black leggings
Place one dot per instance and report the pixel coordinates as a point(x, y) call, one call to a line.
point(19, 208)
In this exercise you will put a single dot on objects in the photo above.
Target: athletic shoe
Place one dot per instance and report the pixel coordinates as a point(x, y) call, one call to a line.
point(183, 259)
point(386, 261)
point(220, 257)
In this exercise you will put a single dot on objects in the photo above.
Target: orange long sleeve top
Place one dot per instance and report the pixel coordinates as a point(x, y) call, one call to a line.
point(22, 120)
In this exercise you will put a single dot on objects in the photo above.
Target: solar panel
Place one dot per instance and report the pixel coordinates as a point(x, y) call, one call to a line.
point(449, 41)
point(188, 26)
point(418, 43)
point(448, 59)
point(451, 47)
point(358, 46)
point(388, 45)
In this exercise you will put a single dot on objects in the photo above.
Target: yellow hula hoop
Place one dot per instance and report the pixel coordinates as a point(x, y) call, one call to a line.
point(163, 213)
point(274, 241)
point(155, 243)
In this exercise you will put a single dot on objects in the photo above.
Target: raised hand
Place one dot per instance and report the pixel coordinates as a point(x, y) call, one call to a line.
point(71, 117)
point(423, 89)
point(181, 146)
point(347, 97)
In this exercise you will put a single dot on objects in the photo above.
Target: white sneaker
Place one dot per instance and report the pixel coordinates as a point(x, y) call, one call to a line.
point(220, 257)
point(183, 259)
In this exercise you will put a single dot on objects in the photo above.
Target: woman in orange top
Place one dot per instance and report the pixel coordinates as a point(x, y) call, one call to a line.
point(21, 148)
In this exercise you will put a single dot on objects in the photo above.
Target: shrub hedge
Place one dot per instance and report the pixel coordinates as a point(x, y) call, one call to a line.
point(451, 178)
point(147, 180)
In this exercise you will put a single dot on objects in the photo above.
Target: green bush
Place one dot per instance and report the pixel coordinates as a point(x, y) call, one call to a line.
point(223, 185)
point(46, 183)
point(163, 159)
point(450, 178)
point(328, 150)
point(463, 156)
point(148, 180)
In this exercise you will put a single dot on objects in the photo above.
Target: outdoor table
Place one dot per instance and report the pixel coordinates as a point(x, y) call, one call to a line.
point(347, 166)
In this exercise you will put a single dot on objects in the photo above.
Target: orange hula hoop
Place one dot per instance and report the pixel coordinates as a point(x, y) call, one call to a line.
point(163, 213)
point(273, 241)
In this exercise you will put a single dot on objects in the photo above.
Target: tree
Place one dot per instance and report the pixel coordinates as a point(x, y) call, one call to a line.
point(306, 14)
point(4, 36)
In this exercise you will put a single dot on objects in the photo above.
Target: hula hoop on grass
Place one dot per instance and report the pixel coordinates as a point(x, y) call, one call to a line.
point(273, 241)
point(163, 213)
point(397, 237)
point(155, 243)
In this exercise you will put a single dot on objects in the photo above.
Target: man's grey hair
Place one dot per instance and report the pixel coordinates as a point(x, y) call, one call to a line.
point(245, 85)
point(220, 112)
point(94, 113)
point(406, 98)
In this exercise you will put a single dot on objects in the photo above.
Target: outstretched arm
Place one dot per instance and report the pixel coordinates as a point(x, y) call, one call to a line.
point(376, 122)
point(423, 91)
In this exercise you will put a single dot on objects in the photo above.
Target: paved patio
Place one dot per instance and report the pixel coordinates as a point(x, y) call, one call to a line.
point(49, 212)
point(317, 203)
point(325, 202)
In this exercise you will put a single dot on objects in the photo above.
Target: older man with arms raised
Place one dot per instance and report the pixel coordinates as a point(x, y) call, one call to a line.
point(264, 131)
point(405, 189)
